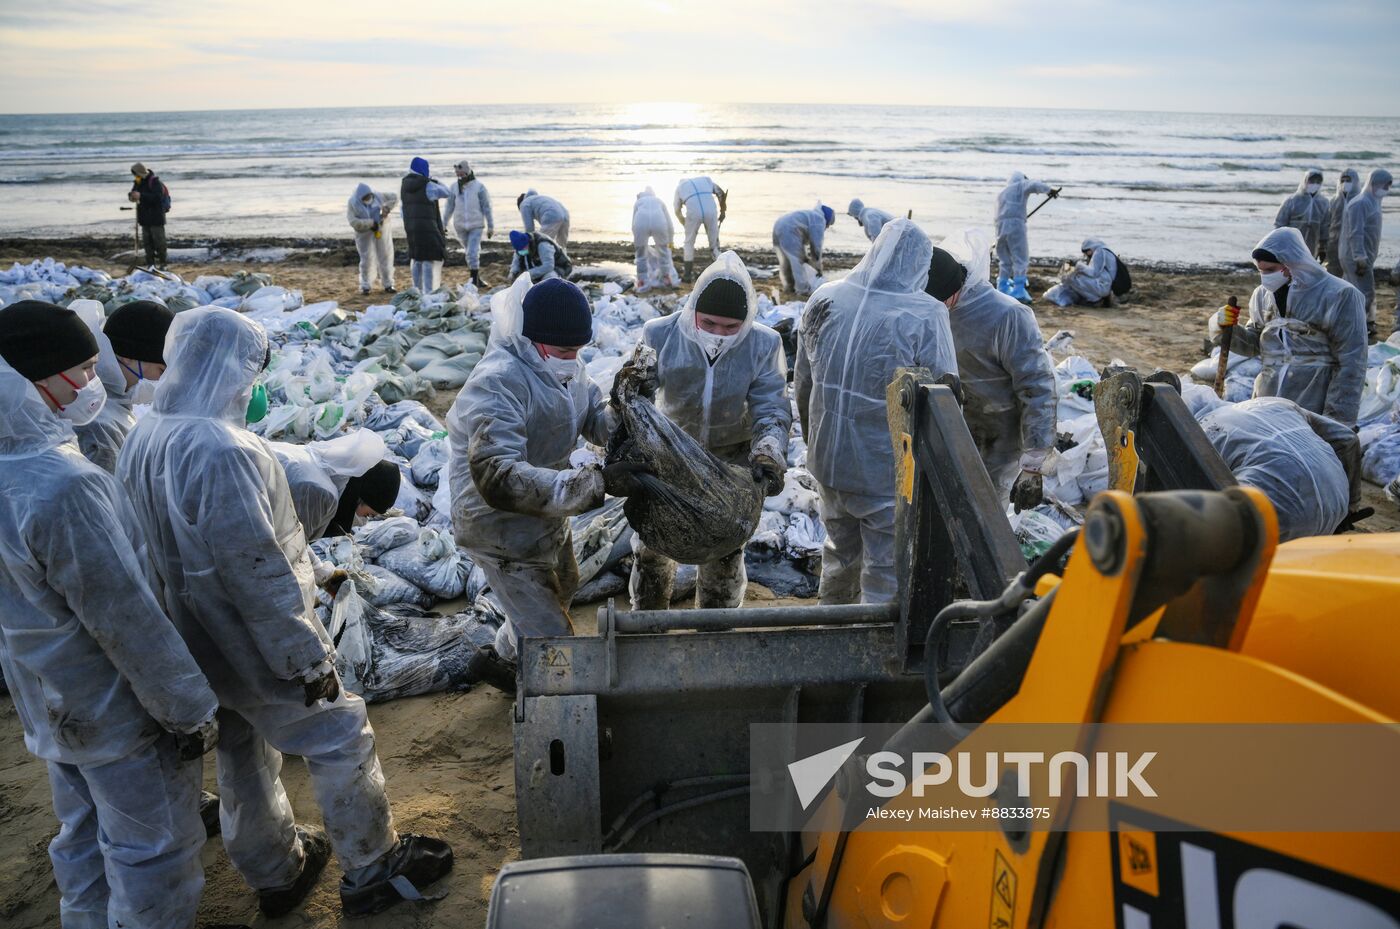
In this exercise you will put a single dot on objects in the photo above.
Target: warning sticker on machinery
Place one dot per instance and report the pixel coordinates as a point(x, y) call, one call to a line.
point(1003, 914)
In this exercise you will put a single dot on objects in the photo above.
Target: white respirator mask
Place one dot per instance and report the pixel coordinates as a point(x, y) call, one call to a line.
point(1273, 280)
point(1347, 187)
point(711, 344)
point(143, 392)
point(1382, 191)
point(563, 369)
point(85, 406)
point(1313, 188)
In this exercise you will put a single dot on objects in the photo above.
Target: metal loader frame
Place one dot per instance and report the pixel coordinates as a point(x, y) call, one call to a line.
point(637, 738)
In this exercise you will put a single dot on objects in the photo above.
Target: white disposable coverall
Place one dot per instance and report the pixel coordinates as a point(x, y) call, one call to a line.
point(1013, 248)
point(467, 213)
point(549, 213)
point(101, 440)
point(735, 406)
point(1314, 353)
point(1305, 212)
point(317, 473)
point(871, 220)
point(651, 226)
point(797, 239)
point(512, 429)
point(98, 676)
point(1333, 238)
point(376, 252)
point(1090, 280)
point(237, 578)
point(1361, 239)
point(696, 200)
point(854, 334)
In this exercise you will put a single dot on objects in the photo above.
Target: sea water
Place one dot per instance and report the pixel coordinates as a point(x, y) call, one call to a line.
point(1197, 189)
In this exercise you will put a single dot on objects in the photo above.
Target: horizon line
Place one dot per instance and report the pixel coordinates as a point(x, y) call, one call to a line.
point(559, 103)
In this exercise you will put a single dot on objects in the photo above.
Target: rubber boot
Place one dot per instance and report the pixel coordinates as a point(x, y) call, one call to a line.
point(689, 274)
point(477, 282)
point(1019, 291)
point(488, 667)
point(417, 862)
point(316, 851)
point(1003, 283)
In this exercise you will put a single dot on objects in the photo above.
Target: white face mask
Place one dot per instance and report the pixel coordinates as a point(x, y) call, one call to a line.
point(1382, 191)
point(1273, 281)
point(563, 369)
point(142, 392)
point(711, 344)
point(1347, 187)
point(1313, 188)
point(86, 406)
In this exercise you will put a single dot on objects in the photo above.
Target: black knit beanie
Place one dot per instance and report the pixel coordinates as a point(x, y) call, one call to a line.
point(137, 330)
point(377, 488)
point(1263, 254)
point(557, 313)
point(945, 275)
point(40, 339)
point(723, 297)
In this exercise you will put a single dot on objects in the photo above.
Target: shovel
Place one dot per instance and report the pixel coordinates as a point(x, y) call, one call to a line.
point(1227, 333)
point(1053, 194)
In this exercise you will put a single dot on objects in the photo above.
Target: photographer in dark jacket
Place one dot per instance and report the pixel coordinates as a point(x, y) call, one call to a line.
point(148, 193)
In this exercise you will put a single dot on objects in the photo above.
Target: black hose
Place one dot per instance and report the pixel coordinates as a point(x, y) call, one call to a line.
point(676, 807)
point(655, 793)
point(1016, 593)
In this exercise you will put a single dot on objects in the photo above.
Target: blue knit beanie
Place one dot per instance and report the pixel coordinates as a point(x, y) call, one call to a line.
point(829, 214)
point(557, 313)
point(419, 166)
point(519, 241)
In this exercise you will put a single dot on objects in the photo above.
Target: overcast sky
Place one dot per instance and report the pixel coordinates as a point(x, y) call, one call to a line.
point(1193, 55)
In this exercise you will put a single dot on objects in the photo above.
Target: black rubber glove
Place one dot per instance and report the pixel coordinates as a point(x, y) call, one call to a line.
point(1054, 194)
point(1028, 491)
point(645, 380)
point(192, 745)
point(767, 472)
point(620, 477)
point(326, 687)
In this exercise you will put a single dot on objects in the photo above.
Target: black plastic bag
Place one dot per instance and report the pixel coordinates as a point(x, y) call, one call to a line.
point(685, 503)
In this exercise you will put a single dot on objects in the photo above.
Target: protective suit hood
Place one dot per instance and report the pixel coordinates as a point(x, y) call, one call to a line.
point(1091, 245)
point(897, 262)
point(109, 370)
point(213, 356)
point(1015, 178)
point(27, 426)
point(856, 208)
point(358, 207)
point(1287, 245)
point(971, 248)
point(1378, 177)
point(349, 455)
point(1348, 175)
point(729, 266)
point(1303, 184)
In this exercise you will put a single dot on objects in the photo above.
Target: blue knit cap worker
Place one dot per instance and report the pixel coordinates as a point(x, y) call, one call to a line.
point(419, 166)
point(519, 242)
point(830, 215)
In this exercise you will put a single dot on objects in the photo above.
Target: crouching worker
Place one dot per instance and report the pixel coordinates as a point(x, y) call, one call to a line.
point(1309, 466)
point(233, 561)
point(1007, 379)
point(107, 692)
point(721, 377)
point(537, 253)
point(337, 481)
point(1090, 281)
point(512, 428)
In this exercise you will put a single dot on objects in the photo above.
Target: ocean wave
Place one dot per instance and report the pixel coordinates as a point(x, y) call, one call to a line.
point(1234, 136)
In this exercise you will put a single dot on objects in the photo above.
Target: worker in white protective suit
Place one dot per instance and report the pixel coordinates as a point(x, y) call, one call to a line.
point(652, 233)
point(467, 212)
point(699, 201)
point(854, 334)
point(129, 363)
point(1306, 210)
point(107, 693)
point(1090, 281)
point(422, 225)
point(1361, 240)
point(722, 377)
point(549, 213)
point(1306, 326)
point(232, 559)
point(797, 240)
point(337, 481)
point(512, 428)
point(1013, 246)
point(1309, 466)
point(1008, 379)
point(368, 214)
point(1329, 251)
point(870, 220)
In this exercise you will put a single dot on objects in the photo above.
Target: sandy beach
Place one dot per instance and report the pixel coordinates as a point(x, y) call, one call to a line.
point(447, 758)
